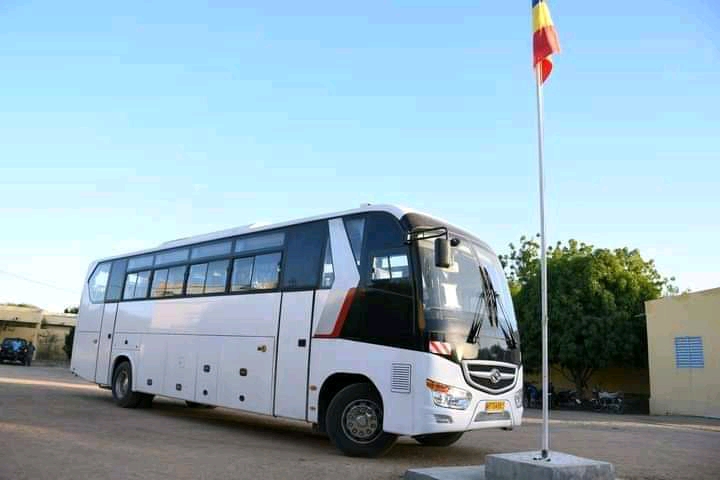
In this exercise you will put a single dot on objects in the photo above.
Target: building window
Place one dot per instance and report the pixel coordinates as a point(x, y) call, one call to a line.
point(689, 352)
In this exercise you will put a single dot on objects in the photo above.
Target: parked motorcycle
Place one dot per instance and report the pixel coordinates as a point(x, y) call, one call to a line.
point(568, 399)
point(611, 402)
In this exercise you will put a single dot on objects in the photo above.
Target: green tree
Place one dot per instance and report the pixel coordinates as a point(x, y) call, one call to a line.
point(69, 342)
point(596, 305)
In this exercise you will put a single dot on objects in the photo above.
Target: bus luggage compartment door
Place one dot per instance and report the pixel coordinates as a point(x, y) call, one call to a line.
point(293, 355)
point(246, 373)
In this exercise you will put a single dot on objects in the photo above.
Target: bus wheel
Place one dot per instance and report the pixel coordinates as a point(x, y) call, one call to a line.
point(354, 422)
point(190, 404)
point(444, 439)
point(122, 387)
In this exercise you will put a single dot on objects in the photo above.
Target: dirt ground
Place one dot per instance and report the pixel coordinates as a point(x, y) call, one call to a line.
point(55, 426)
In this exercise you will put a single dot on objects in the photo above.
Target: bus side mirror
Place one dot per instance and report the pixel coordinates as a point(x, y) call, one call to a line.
point(442, 253)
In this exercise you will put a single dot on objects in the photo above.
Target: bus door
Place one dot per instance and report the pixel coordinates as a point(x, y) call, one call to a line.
point(105, 342)
point(293, 355)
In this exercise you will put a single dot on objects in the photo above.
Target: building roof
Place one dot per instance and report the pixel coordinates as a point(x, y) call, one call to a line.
point(685, 296)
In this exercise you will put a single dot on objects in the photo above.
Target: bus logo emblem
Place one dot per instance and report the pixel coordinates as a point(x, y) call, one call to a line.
point(494, 376)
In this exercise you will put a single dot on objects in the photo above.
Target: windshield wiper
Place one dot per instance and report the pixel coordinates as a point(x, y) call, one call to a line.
point(509, 336)
point(477, 319)
point(490, 291)
point(487, 299)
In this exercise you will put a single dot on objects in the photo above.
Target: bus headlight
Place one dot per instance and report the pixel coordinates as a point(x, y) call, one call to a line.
point(447, 396)
point(519, 398)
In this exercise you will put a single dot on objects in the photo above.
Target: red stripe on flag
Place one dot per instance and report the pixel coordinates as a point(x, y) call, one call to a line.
point(545, 43)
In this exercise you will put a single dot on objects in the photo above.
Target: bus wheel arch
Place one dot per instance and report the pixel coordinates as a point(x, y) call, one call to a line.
point(121, 385)
point(353, 418)
point(330, 387)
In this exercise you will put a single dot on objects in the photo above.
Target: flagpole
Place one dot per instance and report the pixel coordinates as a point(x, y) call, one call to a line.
point(543, 267)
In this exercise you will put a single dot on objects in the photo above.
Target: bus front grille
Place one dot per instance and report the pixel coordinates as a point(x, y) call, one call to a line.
point(489, 376)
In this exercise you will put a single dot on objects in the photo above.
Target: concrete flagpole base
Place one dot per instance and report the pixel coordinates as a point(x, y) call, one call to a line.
point(521, 466)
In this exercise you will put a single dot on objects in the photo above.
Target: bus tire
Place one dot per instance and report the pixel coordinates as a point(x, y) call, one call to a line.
point(354, 422)
point(444, 439)
point(190, 404)
point(122, 387)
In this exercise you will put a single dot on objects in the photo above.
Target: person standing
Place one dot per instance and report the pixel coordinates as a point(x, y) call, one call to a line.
point(30, 353)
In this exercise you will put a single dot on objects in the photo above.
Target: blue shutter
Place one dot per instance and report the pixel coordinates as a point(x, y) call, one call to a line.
point(689, 352)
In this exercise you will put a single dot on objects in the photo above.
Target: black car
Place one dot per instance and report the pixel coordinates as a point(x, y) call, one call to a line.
point(14, 350)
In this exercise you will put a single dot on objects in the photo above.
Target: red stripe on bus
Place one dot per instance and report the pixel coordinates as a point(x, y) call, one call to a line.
point(349, 297)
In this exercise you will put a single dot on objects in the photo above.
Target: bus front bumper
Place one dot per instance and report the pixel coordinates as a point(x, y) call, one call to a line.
point(483, 413)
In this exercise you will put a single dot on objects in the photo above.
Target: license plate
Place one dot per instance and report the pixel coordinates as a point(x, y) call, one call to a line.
point(494, 407)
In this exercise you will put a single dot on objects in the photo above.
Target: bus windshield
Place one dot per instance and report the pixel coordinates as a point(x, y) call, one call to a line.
point(454, 298)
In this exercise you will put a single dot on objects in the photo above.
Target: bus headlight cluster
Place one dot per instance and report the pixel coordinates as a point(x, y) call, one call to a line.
point(518, 398)
point(447, 396)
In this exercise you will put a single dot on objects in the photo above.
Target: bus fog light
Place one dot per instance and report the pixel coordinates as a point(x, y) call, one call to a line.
point(518, 398)
point(447, 396)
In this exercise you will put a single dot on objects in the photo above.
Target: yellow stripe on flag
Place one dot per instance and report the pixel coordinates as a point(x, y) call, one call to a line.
point(541, 17)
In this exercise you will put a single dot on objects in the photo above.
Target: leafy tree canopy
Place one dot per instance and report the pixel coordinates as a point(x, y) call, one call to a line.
point(596, 305)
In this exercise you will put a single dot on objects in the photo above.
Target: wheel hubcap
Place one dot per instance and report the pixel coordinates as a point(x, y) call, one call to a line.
point(122, 383)
point(362, 421)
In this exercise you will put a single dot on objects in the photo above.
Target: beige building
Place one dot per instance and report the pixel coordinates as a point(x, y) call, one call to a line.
point(684, 354)
point(46, 330)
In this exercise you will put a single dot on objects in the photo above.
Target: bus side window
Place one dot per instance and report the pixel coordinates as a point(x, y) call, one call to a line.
point(328, 271)
point(355, 228)
point(389, 267)
point(98, 282)
point(305, 248)
point(117, 279)
point(389, 270)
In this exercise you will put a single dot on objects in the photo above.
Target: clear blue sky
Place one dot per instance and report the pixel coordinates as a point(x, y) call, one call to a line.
point(124, 124)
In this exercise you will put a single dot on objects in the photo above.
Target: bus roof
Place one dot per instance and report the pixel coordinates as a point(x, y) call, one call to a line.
point(395, 210)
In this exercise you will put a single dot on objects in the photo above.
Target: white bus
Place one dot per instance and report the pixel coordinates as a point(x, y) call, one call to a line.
point(369, 324)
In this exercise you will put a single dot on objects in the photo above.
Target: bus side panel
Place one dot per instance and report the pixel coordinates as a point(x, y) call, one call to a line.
point(245, 377)
point(85, 343)
point(208, 364)
point(179, 380)
point(151, 367)
point(84, 357)
point(293, 355)
point(253, 314)
point(376, 362)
